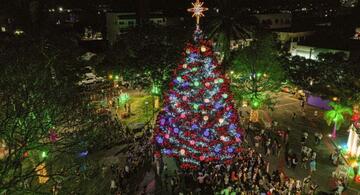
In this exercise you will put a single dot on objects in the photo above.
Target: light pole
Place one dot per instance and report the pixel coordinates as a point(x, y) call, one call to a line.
point(155, 93)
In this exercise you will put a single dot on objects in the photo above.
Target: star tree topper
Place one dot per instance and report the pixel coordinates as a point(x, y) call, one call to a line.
point(198, 10)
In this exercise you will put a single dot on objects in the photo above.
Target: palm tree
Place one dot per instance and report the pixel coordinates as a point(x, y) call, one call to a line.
point(228, 25)
point(336, 116)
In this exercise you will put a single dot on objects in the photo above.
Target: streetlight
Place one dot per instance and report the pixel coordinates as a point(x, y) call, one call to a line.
point(155, 93)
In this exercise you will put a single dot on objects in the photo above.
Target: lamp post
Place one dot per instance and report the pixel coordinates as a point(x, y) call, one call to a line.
point(155, 93)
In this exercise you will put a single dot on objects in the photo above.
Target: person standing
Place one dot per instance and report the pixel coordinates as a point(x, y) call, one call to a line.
point(304, 161)
point(294, 161)
point(318, 137)
point(302, 104)
point(267, 147)
point(113, 186)
point(312, 166)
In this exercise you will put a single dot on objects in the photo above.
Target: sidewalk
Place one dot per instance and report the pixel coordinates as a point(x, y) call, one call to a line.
point(283, 112)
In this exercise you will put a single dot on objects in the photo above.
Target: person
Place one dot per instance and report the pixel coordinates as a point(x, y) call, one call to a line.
point(293, 116)
point(294, 161)
point(274, 147)
point(226, 179)
point(173, 183)
point(335, 158)
point(286, 135)
point(165, 167)
point(201, 178)
point(316, 113)
point(103, 170)
point(304, 161)
point(339, 187)
point(157, 164)
point(313, 155)
point(267, 148)
point(113, 186)
point(318, 138)
point(313, 188)
point(306, 184)
point(304, 138)
point(312, 165)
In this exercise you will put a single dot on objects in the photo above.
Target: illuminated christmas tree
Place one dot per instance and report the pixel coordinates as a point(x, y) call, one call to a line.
point(198, 122)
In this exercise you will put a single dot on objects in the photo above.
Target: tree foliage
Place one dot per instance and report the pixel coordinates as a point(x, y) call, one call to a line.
point(328, 76)
point(256, 71)
point(151, 59)
point(39, 108)
point(336, 115)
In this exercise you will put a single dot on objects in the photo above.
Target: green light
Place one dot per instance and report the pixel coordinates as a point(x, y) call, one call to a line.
point(43, 154)
point(220, 80)
point(194, 69)
point(155, 90)
point(225, 95)
point(196, 84)
point(255, 103)
point(116, 77)
point(179, 79)
point(258, 74)
point(124, 98)
point(196, 106)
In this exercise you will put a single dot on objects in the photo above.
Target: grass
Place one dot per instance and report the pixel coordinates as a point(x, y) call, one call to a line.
point(140, 111)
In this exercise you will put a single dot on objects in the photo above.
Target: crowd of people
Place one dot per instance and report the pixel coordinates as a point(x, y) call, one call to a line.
point(249, 174)
point(138, 161)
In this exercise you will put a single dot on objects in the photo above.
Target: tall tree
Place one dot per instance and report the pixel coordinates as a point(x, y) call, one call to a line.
point(336, 116)
point(256, 72)
point(39, 107)
point(161, 46)
point(331, 75)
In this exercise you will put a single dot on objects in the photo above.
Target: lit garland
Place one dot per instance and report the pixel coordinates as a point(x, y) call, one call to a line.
point(199, 122)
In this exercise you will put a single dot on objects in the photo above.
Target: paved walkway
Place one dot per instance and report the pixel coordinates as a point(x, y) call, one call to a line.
point(283, 112)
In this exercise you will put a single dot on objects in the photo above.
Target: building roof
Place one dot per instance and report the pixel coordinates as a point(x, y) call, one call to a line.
point(329, 42)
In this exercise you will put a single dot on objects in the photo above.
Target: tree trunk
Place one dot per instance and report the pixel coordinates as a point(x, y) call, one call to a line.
point(333, 135)
point(254, 116)
point(157, 102)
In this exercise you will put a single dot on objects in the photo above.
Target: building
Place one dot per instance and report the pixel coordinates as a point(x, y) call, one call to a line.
point(357, 34)
point(119, 23)
point(292, 35)
point(349, 3)
point(274, 21)
point(311, 52)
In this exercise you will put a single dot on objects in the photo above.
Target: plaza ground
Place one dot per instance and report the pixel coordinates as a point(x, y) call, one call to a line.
point(286, 106)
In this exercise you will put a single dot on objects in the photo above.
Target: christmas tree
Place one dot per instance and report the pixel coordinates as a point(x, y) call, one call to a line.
point(198, 122)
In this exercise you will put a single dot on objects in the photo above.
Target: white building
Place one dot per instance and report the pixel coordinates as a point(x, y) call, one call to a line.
point(119, 23)
point(353, 144)
point(357, 34)
point(274, 21)
point(288, 35)
point(312, 52)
